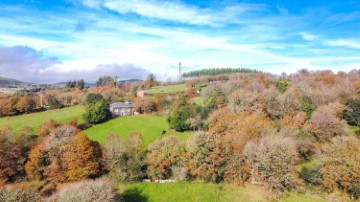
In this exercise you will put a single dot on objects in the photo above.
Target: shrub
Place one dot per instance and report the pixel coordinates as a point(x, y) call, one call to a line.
point(282, 85)
point(293, 122)
point(47, 127)
point(93, 98)
point(99, 190)
point(355, 191)
point(341, 167)
point(54, 103)
point(144, 105)
point(59, 136)
point(35, 166)
point(162, 156)
point(14, 194)
point(279, 105)
point(324, 124)
point(307, 106)
point(306, 149)
point(237, 129)
point(311, 176)
point(207, 157)
point(237, 171)
point(114, 151)
point(272, 161)
point(179, 117)
point(10, 152)
point(352, 114)
point(48, 189)
point(126, 163)
point(243, 100)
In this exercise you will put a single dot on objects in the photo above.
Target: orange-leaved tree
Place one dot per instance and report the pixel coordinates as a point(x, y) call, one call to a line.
point(82, 158)
point(35, 166)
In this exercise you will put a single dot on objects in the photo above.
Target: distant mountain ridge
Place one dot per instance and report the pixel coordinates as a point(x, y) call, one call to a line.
point(6, 82)
point(129, 80)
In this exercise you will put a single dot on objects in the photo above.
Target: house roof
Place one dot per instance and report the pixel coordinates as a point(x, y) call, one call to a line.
point(122, 105)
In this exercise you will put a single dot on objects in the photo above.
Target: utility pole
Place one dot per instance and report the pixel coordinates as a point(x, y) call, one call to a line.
point(179, 71)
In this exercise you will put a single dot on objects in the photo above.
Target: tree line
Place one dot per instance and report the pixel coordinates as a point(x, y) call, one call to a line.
point(217, 71)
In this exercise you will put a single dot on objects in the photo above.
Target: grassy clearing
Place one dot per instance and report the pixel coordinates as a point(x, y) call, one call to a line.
point(151, 192)
point(198, 100)
point(194, 191)
point(311, 163)
point(167, 89)
point(296, 197)
point(149, 125)
point(9, 91)
point(355, 129)
point(35, 120)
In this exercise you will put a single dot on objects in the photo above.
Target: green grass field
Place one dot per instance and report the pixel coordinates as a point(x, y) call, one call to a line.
point(198, 100)
point(35, 120)
point(167, 89)
point(185, 191)
point(149, 125)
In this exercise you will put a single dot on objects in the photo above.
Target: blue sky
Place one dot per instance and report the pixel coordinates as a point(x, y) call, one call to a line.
point(51, 41)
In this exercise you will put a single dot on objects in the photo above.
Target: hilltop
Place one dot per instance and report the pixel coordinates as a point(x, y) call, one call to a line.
point(9, 82)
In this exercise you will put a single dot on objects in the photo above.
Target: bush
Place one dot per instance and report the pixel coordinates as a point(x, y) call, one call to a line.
point(207, 157)
point(324, 124)
point(237, 171)
point(96, 112)
point(273, 161)
point(93, 98)
point(179, 118)
point(10, 152)
point(355, 191)
point(282, 85)
point(36, 163)
point(307, 106)
point(99, 190)
point(163, 155)
point(125, 163)
point(54, 103)
point(14, 194)
point(311, 176)
point(352, 114)
point(341, 165)
point(306, 149)
point(47, 127)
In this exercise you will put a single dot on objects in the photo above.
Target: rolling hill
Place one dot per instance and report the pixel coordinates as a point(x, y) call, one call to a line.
point(8, 82)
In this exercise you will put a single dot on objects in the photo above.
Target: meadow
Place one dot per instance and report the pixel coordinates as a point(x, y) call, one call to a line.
point(167, 89)
point(150, 126)
point(35, 120)
point(196, 191)
point(9, 91)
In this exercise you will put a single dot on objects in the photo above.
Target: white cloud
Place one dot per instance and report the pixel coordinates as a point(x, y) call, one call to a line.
point(27, 64)
point(308, 36)
point(355, 44)
point(176, 11)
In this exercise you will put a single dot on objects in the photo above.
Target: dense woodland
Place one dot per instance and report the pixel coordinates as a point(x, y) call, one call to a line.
point(217, 71)
point(284, 134)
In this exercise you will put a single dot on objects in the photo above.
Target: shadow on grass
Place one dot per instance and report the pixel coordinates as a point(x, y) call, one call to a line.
point(134, 194)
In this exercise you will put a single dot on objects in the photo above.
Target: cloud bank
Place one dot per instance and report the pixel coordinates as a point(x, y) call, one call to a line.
point(27, 64)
